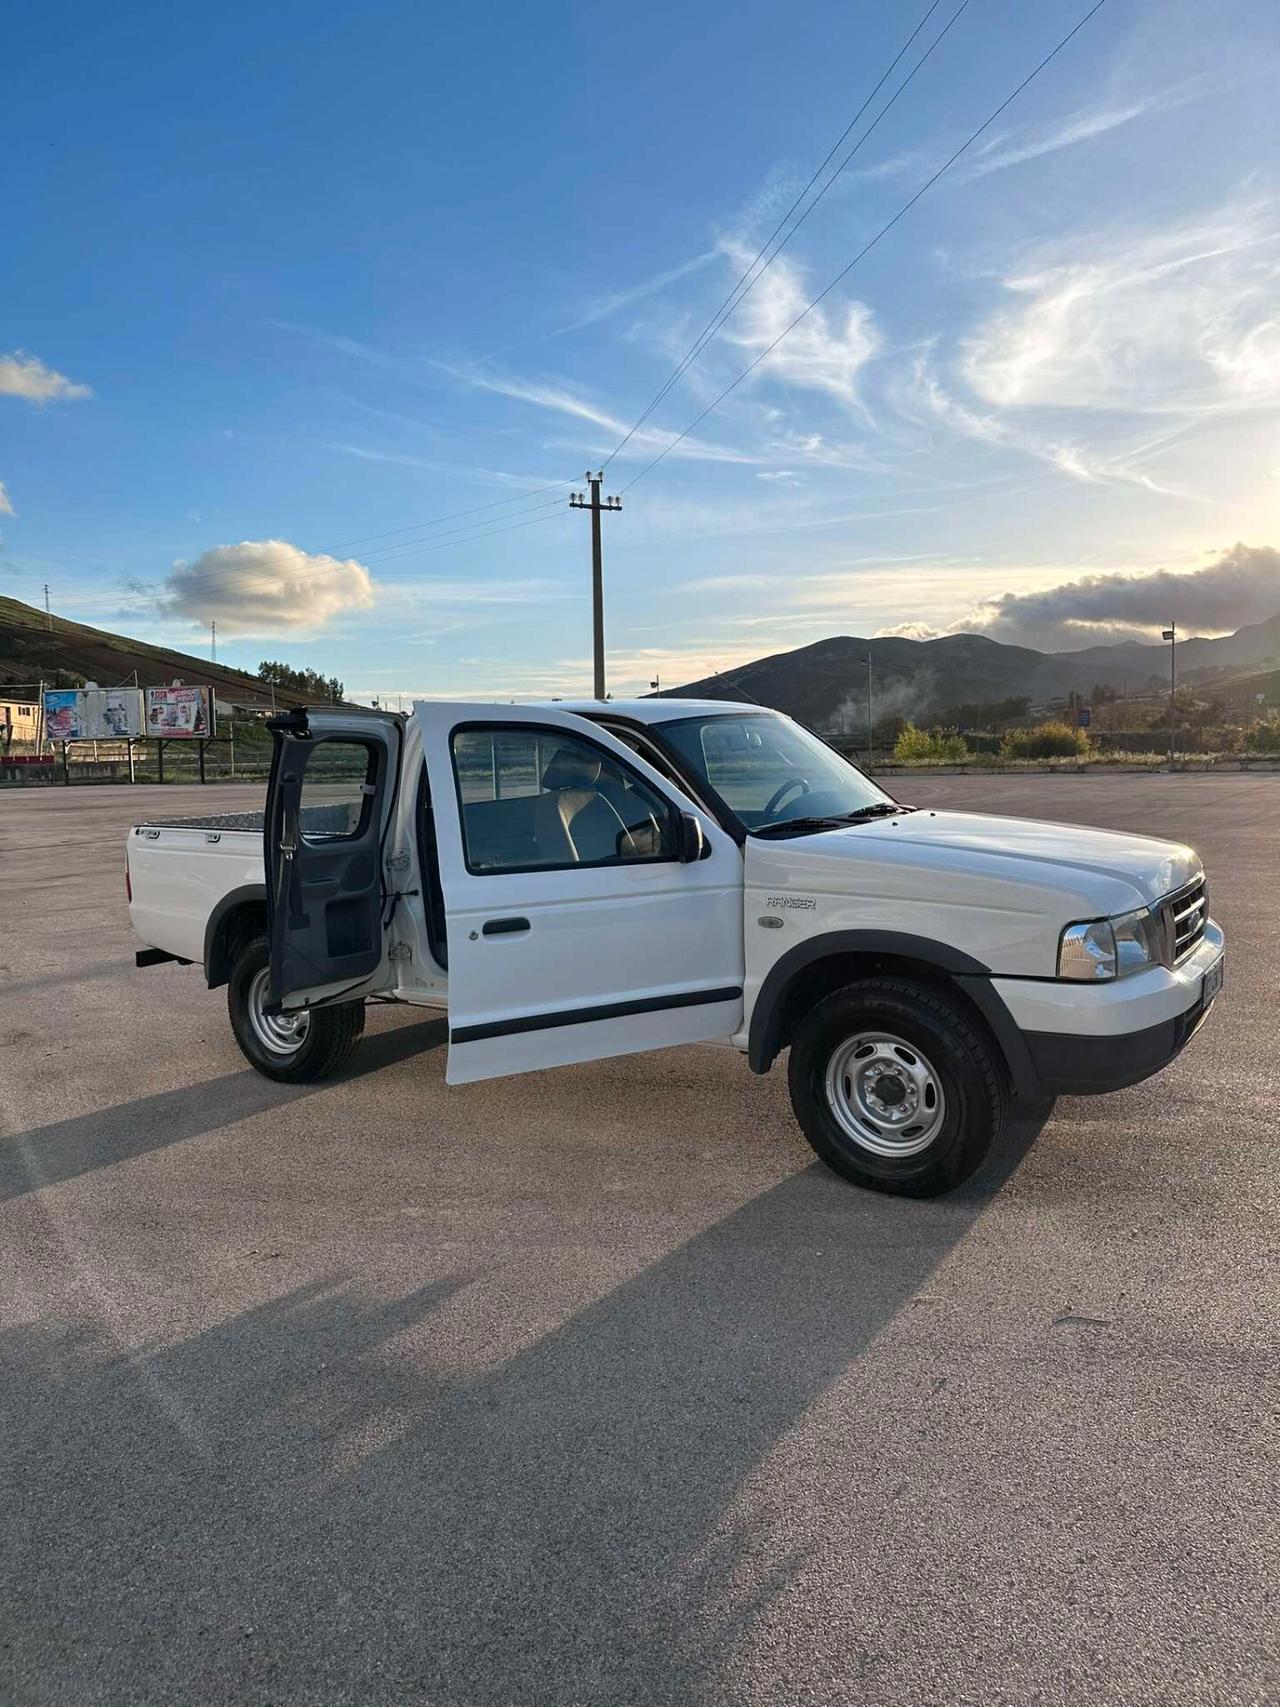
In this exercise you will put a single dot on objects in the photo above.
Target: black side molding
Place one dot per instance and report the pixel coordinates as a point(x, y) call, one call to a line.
point(157, 957)
point(585, 1016)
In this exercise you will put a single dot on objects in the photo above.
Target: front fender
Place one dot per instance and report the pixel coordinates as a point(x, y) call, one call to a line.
point(970, 977)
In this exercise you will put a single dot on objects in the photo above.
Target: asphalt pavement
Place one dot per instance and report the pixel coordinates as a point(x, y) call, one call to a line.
point(593, 1386)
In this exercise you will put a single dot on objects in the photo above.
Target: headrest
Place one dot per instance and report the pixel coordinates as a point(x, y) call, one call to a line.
point(572, 767)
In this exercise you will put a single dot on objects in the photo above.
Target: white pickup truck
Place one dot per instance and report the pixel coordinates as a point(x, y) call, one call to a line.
point(576, 882)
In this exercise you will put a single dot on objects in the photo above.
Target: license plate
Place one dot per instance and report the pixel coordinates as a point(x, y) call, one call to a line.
point(1213, 980)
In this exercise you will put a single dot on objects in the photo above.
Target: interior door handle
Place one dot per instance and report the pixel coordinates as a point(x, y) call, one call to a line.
point(504, 927)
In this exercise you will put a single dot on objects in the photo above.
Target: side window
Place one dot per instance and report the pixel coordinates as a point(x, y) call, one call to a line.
point(541, 798)
point(337, 790)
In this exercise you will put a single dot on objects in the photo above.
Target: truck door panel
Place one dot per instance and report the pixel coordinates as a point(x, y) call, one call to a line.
point(575, 932)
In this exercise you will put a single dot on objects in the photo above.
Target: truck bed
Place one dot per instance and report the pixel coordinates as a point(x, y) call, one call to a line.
point(211, 821)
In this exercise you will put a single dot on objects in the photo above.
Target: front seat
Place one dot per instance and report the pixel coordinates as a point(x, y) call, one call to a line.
point(573, 820)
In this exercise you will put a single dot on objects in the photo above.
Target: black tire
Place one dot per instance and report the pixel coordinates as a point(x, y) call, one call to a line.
point(964, 1066)
point(331, 1033)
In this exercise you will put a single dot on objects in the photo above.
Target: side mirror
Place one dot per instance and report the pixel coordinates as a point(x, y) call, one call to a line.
point(691, 844)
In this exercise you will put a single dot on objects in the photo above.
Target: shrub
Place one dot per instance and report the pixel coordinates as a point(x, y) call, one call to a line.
point(930, 746)
point(1264, 737)
point(1045, 741)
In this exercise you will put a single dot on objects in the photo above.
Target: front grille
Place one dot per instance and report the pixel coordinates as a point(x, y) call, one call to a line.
point(1184, 915)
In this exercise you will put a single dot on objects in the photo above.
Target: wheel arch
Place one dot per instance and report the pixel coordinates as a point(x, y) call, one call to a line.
point(816, 967)
point(239, 913)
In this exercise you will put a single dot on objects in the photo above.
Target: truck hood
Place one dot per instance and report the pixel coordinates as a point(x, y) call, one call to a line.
point(963, 840)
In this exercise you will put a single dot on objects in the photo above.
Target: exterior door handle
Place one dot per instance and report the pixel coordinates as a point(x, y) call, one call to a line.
point(504, 927)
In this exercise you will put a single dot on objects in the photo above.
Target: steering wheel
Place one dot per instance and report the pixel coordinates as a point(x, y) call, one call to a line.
point(783, 790)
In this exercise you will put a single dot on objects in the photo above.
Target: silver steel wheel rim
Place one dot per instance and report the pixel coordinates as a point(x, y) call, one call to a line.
point(281, 1034)
point(885, 1095)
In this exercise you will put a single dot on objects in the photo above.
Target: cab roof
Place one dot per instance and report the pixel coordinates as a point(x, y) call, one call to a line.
point(655, 710)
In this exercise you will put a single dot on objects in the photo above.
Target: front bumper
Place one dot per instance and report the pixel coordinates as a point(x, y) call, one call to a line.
point(1085, 1038)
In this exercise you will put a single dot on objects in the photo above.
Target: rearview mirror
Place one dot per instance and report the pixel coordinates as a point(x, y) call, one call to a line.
point(692, 844)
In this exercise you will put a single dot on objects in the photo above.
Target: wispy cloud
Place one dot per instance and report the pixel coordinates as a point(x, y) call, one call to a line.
point(613, 303)
point(825, 352)
point(560, 399)
point(6, 504)
point(27, 377)
point(1181, 318)
point(345, 346)
point(1016, 147)
point(1059, 451)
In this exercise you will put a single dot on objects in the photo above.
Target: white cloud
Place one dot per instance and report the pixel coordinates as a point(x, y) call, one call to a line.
point(825, 352)
point(1242, 586)
point(1181, 318)
point(26, 376)
point(1013, 148)
point(552, 395)
point(265, 586)
point(605, 306)
point(6, 503)
point(1057, 450)
point(909, 631)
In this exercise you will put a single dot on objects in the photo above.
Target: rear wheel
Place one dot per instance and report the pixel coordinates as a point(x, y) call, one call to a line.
point(289, 1047)
point(895, 1088)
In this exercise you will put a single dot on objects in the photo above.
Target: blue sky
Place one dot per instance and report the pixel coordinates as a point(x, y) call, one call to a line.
point(285, 284)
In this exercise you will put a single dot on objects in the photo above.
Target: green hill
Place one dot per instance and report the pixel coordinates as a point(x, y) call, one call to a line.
point(35, 648)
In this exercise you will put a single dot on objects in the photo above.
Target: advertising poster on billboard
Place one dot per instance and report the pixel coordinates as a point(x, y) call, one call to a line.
point(93, 714)
point(63, 714)
point(178, 714)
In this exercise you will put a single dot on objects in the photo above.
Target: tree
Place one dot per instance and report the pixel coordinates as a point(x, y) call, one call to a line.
point(308, 684)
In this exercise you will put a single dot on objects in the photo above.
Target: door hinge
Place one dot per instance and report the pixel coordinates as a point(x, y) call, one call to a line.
point(400, 951)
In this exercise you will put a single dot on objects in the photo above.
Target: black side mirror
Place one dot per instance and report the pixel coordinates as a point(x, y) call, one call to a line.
point(691, 844)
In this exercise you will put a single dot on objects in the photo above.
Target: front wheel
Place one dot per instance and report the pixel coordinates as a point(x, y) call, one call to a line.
point(290, 1047)
point(895, 1088)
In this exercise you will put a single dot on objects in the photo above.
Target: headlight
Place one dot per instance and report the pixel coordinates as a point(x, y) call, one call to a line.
point(1110, 948)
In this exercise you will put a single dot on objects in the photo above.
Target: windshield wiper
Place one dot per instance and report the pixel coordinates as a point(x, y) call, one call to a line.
point(799, 824)
point(881, 809)
point(833, 820)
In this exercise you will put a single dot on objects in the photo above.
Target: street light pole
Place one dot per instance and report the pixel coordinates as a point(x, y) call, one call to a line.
point(868, 707)
point(1171, 635)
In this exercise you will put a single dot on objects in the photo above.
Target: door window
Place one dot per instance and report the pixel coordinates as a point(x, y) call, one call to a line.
point(534, 798)
point(337, 790)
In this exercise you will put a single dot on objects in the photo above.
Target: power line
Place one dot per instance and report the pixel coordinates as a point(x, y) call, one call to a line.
point(869, 246)
point(743, 288)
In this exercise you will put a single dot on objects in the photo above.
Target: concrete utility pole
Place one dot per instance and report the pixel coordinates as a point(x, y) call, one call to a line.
point(213, 642)
point(579, 501)
point(48, 614)
point(1171, 635)
point(656, 685)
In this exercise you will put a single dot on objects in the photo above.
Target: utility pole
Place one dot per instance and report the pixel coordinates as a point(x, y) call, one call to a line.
point(579, 501)
point(1171, 635)
point(656, 685)
point(213, 642)
point(868, 662)
point(48, 614)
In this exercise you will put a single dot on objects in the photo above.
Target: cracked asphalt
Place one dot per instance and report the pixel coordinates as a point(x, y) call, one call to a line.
point(593, 1386)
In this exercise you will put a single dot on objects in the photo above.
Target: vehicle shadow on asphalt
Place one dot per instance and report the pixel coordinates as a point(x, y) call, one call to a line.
point(47, 1155)
point(301, 1504)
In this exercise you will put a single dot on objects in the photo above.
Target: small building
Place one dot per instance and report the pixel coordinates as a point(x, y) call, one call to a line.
point(19, 723)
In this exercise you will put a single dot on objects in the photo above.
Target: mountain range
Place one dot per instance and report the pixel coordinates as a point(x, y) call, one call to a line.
point(825, 683)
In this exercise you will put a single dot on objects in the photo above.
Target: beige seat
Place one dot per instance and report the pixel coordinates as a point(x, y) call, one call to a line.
point(574, 821)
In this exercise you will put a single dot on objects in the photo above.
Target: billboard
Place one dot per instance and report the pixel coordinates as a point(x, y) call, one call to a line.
point(180, 714)
point(93, 714)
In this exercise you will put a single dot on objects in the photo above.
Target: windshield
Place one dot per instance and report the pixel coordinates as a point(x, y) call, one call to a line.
point(770, 771)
